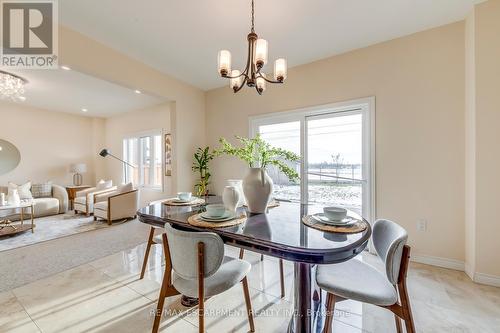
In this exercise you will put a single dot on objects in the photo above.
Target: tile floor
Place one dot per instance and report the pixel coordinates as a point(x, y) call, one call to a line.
point(107, 296)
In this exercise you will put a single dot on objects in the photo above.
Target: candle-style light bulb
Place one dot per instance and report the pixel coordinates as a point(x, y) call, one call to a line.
point(260, 84)
point(224, 62)
point(261, 52)
point(236, 80)
point(280, 69)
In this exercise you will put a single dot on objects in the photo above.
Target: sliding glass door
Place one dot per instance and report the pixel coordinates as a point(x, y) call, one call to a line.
point(335, 143)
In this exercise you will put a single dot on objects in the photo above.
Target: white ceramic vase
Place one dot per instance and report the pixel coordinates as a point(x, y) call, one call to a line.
point(257, 187)
point(230, 198)
point(238, 183)
point(14, 198)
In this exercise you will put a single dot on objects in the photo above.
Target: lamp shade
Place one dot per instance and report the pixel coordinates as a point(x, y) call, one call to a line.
point(78, 168)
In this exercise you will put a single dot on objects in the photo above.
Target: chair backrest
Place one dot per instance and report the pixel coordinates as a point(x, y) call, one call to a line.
point(389, 240)
point(183, 247)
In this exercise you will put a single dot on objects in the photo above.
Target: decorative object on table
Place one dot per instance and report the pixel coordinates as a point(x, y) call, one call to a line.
point(105, 152)
point(13, 197)
point(23, 190)
point(12, 86)
point(351, 228)
point(9, 157)
point(273, 203)
point(238, 184)
point(42, 190)
point(257, 58)
point(3, 200)
point(198, 221)
point(202, 158)
point(231, 198)
point(335, 213)
point(77, 169)
point(168, 154)
point(177, 202)
point(258, 154)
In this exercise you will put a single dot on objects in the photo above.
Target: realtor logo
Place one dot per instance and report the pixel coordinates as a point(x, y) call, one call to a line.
point(29, 34)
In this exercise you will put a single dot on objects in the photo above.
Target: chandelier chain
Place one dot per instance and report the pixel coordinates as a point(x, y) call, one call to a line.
point(253, 12)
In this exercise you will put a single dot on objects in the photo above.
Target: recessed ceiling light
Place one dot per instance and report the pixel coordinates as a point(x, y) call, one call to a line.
point(66, 68)
point(84, 110)
point(138, 91)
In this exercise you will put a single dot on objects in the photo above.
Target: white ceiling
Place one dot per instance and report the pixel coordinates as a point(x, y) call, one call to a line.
point(70, 91)
point(182, 38)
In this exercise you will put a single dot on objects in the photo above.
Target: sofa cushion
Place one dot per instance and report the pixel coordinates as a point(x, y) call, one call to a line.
point(122, 188)
point(23, 190)
point(46, 206)
point(104, 184)
point(43, 190)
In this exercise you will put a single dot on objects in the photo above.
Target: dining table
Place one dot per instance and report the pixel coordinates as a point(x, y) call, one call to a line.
point(278, 233)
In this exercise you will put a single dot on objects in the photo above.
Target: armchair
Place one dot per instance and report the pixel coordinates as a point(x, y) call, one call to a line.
point(116, 205)
point(85, 199)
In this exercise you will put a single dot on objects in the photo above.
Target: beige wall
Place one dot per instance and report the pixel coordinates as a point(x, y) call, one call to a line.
point(418, 82)
point(487, 120)
point(130, 123)
point(188, 110)
point(48, 142)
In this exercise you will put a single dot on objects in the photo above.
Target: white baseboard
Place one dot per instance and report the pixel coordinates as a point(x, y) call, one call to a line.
point(440, 262)
point(487, 279)
point(490, 280)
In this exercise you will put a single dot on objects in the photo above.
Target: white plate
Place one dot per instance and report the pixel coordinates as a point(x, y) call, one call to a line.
point(225, 217)
point(177, 200)
point(320, 217)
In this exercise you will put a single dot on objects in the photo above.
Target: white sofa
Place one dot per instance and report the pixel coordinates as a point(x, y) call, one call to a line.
point(85, 199)
point(120, 204)
point(56, 204)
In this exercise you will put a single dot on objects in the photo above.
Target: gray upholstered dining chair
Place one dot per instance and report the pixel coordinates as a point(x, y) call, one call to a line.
point(200, 269)
point(360, 281)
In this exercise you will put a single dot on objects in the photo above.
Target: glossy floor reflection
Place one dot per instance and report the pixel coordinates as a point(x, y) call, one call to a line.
point(107, 296)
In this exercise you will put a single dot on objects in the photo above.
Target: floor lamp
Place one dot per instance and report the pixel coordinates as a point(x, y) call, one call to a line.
point(106, 152)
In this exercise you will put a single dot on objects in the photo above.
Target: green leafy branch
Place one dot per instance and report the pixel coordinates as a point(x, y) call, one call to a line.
point(258, 153)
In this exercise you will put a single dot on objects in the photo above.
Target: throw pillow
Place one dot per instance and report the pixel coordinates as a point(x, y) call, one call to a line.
point(23, 190)
point(122, 188)
point(104, 184)
point(43, 190)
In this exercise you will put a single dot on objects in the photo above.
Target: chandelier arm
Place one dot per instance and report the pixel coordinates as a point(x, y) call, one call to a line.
point(266, 79)
point(241, 86)
point(235, 77)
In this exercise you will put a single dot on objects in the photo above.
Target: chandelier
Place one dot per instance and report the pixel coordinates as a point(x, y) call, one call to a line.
point(11, 86)
point(257, 58)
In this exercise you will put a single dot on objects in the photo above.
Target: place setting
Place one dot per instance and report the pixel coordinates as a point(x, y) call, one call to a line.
point(184, 199)
point(334, 219)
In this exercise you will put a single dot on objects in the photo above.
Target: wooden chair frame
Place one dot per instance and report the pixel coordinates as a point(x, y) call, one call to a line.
point(401, 309)
point(282, 273)
point(167, 289)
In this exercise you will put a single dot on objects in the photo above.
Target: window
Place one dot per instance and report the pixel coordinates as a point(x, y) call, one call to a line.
point(144, 151)
point(336, 145)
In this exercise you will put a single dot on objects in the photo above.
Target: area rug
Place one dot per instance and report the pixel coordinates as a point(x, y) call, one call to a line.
point(52, 227)
point(33, 262)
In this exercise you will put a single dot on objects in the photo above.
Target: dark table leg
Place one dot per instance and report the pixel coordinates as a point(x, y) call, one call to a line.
point(307, 301)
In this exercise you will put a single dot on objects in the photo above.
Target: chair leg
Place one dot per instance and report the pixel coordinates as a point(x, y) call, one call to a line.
point(399, 329)
point(330, 308)
point(201, 287)
point(261, 257)
point(161, 301)
point(248, 304)
point(282, 279)
point(405, 303)
point(146, 254)
point(242, 253)
point(95, 218)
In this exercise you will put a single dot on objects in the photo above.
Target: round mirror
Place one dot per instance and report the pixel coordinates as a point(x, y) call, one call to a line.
point(9, 157)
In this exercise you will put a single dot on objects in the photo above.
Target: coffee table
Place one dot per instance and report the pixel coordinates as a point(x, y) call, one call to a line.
point(8, 227)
